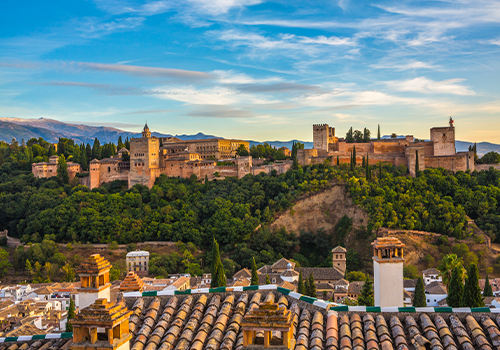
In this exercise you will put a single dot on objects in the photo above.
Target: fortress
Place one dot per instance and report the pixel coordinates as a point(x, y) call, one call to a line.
point(439, 152)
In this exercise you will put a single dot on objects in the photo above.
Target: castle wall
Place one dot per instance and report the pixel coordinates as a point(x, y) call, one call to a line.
point(360, 147)
point(267, 169)
point(444, 141)
point(480, 167)
point(396, 146)
point(411, 156)
point(304, 156)
point(462, 161)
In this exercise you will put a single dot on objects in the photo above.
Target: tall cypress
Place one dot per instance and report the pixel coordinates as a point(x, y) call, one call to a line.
point(338, 161)
point(62, 170)
point(378, 132)
point(366, 297)
point(354, 155)
point(368, 169)
point(218, 275)
point(487, 291)
point(472, 293)
point(363, 162)
point(71, 314)
point(300, 286)
point(456, 288)
point(419, 296)
point(417, 166)
point(254, 281)
point(312, 286)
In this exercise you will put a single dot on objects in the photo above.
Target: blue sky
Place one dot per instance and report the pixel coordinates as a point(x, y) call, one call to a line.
point(252, 69)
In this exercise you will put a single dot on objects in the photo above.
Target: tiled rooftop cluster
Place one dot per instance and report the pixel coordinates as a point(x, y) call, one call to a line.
point(93, 265)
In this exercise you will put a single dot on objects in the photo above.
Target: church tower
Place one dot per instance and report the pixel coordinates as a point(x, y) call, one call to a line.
point(144, 159)
point(388, 260)
point(146, 134)
point(339, 258)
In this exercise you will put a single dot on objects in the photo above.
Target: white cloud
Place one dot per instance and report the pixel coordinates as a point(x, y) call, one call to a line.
point(495, 42)
point(427, 86)
point(231, 77)
point(406, 66)
point(94, 27)
point(217, 7)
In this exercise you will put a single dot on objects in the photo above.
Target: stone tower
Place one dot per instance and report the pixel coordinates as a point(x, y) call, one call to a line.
point(94, 278)
point(322, 136)
point(444, 140)
point(388, 260)
point(144, 159)
point(339, 258)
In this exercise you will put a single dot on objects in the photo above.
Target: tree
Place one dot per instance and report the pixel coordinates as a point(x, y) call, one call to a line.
point(28, 267)
point(410, 272)
point(446, 266)
point(218, 275)
point(68, 273)
point(456, 288)
point(417, 167)
point(62, 170)
point(419, 295)
point(366, 135)
point(300, 286)
point(355, 276)
point(242, 151)
point(368, 169)
point(338, 160)
point(312, 286)
point(4, 262)
point(268, 281)
point(472, 293)
point(358, 136)
point(48, 270)
point(349, 138)
point(114, 274)
point(354, 156)
point(254, 281)
point(490, 158)
point(378, 132)
point(366, 296)
point(96, 150)
point(487, 291)
point(71, 315)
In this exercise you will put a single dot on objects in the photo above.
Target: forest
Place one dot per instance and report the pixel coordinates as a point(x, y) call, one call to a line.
point(237, 212)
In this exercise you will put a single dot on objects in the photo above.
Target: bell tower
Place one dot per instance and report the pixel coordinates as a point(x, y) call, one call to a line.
point(388, 260)
point(146, 134)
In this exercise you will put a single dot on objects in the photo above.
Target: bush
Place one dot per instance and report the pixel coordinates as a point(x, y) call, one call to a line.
point(410, 272)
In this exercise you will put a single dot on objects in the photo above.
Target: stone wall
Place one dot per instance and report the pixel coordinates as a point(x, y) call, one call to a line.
point(304, 156)
point(460, 162)
point(411, 156)
point(393, 146)
point(480, 167)
point(320, 137)
point(267, 169)
point(345, 147)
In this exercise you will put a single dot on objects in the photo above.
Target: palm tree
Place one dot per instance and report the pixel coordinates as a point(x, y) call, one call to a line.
point(446, 266)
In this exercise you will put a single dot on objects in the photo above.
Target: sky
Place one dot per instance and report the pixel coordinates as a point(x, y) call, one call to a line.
point(255, 69)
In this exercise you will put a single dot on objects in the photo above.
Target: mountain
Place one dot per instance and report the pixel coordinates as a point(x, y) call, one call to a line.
point(51, 130)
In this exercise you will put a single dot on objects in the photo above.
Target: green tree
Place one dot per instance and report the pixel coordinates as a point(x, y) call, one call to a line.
point(410, 272)
point(268, 281)
point(68, 273)
point(48, 270)
point(4, 262)
point(419, 299)
point(355, 276)
point(378, 132)
point(71, 315)
point(417, 166)
point(490, 158)
point(354, 156)
point(311, 286)
point(446, 266)
point(349, 137)
point(300, 286)
point(218, 275)
point(456, 288)
point(472, 293)
point(366, 296)
point(62, 170)
point(366, 135)
point(487, 291)
point(114, 274)
point(242, 151)
point(254, 281)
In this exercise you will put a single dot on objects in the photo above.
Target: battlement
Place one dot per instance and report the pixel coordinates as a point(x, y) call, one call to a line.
point(320, 125)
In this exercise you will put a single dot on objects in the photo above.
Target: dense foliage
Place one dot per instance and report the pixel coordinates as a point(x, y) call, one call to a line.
point(419, 299)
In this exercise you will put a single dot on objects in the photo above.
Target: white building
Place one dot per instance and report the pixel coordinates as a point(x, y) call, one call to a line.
point(431, 275)
point(434, 293)
point(138, 262)
point(388, 260)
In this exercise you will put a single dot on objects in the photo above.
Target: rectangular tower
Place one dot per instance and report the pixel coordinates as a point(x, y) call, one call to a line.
point(444, 141)
point(388, 260)
point(320, 137)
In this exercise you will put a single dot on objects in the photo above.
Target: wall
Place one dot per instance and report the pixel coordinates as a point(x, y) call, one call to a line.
point(393, 146)
point(360, 147)
point(480, 167)
point(320, 137)
point(267, 169)
point(444, 141)
point(411, 156)
point(304, 156)
point(462, 161)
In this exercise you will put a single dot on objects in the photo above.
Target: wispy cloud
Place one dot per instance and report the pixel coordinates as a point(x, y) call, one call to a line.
point(143, 71)
point(223, 112)
point(150, 111)
point(406, 66)
point(427, 86)
point(96, 27)
point(102, 88)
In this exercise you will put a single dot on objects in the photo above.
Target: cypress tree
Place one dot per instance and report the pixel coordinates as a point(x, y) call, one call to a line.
point(368, 169)
point(338, 161)
point(380, 170)
point(456, 288)
point(62, 170)
point(254, 281)
point(378, 132)
point(218, 275)
point(354, 156)
point(268, 281)
point(312, 286)
point(96, 149)
point(417, 167)
point(366, 296)
point(472, 293)
point(487, 291)
point(88, 150)
point(71, 314)
point(300, 287)
point(120, 143)
point(419, 296)
point(363, 162)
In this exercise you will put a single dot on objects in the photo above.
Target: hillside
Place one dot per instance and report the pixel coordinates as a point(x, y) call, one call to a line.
point(8, 131)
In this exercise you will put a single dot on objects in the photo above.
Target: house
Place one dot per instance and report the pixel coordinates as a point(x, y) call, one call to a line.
point(138, 262)
point(354, 289)
point(181, 283)
point(492, 302)
point(434, 293)
point(431, 275)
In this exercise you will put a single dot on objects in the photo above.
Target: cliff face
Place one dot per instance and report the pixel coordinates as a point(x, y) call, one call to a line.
point(322, 210)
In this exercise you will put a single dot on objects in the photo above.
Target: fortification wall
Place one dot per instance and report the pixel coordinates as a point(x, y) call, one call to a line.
point(360, 147)
point(458, 162)
point(304, 156)
point(267, 169)
point(396, 146)
point(480, 167)
point(411, 158)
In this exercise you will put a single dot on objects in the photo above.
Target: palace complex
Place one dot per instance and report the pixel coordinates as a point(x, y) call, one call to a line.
point(439, 152)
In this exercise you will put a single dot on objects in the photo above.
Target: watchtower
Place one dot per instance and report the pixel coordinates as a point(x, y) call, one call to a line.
point(444, 140)
point(322, 136)
point(388, 260)
point(94, 278)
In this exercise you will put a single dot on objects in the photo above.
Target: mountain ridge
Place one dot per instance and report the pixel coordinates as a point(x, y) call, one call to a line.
point(51, 130)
